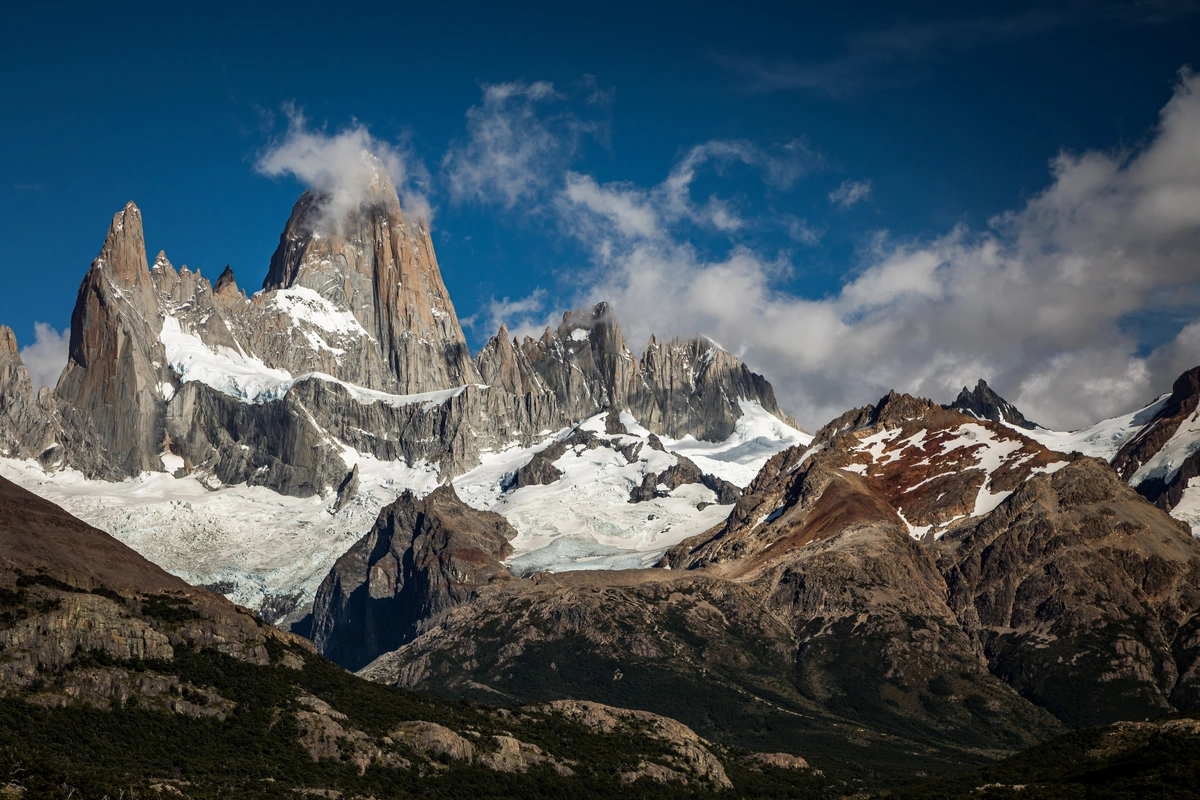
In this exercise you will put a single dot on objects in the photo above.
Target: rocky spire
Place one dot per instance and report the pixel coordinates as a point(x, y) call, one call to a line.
point(226, 283)
point(115, 361)
point(983, 403)
point(505, 366)
point(123, 256)
point(374, 264)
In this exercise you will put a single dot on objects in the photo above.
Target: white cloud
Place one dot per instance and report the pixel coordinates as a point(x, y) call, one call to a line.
point(850, 192)
point(629, 212)
point(1035, 304)
point(511, 150)
point(47, 356)
point(346, 168)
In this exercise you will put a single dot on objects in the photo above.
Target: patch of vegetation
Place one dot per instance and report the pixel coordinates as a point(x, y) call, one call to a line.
point(169, 609)
point(104, 591)
point(1112, 763)
point(79, 750)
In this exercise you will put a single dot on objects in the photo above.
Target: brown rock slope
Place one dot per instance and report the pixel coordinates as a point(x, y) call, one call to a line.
point(201, 688)
point(910, 582)
point(68, 589)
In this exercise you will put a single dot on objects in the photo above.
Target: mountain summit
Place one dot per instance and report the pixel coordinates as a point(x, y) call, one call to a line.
point(983, 403)
point(383, 271)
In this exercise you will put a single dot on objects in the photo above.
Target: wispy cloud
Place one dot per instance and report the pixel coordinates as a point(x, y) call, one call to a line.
point(880, 57)
point(631, 212)
point(513, 149)
point(47, 356)
point(850, 192)
point(525, 316)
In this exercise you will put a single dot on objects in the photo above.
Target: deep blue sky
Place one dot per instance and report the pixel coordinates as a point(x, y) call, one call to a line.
point(950, 110)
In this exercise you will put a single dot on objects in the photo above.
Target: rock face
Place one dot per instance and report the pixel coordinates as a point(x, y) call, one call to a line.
point(677, 388)
point(24, 429)
point(1164, 455)
point(384, 272)
point(112, 408)
point(423, 557)
point(983, 403)
point(1084, 599)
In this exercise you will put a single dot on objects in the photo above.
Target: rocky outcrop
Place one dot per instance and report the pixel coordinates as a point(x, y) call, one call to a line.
point(692, 386)
point(503, 364)
point(423, 557)
point(690, 755)
point(1084, 597)
point(677, 388)
point(683, 471)
point(983, 403)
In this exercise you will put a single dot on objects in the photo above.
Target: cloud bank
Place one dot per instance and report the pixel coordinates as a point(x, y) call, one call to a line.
point(346, 168)
point(1039, 303)
point(47, 356)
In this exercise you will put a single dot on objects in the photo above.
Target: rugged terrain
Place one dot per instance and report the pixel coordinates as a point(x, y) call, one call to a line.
point(914, 580)
point(118, 678)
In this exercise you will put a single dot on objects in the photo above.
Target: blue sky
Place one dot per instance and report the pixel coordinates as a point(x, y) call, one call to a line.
point(831, 143)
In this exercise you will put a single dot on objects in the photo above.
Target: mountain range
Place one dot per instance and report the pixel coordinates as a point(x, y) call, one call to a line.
point(557, 523)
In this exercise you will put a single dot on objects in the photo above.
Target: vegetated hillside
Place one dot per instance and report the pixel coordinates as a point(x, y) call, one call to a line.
point(1129, 760)
point(117, 678)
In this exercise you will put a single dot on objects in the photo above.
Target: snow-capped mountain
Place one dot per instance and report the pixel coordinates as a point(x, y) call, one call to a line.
point(244, 441)
point(1156, 449)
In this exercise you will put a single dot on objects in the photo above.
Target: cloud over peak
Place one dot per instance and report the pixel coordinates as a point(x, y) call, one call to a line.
point(346, 168)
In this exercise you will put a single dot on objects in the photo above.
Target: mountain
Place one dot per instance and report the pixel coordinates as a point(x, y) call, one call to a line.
point(684, 387)
point(119, 679)
point(983, 403)
point(343, 383)
point(1153, 448)
point(372, 264)
point(914, 580)
point(353, 343)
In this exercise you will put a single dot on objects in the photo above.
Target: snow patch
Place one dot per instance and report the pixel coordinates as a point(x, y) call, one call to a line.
point(1102, 440)
point(305, 305)
point(1166, 462)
